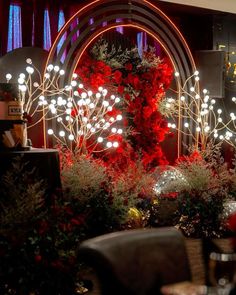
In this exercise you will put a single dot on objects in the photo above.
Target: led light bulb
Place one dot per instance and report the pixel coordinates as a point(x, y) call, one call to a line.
point(8, 76)
point(71, 137)
point(62, 133)
point(50, 131)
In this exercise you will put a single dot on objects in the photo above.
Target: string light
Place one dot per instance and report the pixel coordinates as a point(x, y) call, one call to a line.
point(195, 115)
point(81, 116)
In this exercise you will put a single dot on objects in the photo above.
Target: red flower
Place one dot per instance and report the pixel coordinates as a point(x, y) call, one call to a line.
point(117, 76)
point(147, 111)
point(120, 89)
point(37, 258)
point(127, 97)
point(43, 227)
point(232, 227)
point(77, 221)
point(141, 87)
point(74, 112)
point(57, 264)
point(232, 222)
point(128, 67)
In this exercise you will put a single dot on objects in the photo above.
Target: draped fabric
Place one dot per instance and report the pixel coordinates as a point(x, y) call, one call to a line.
point(27, 17)
point(47, 41)
point(4, 16)
point(38, 9)
point(141, 42)
point(36, 23)
point(119, 29)
point(61, 22)
point(14, 28)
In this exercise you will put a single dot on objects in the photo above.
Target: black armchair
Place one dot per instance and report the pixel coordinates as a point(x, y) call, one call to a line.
point(137, 261)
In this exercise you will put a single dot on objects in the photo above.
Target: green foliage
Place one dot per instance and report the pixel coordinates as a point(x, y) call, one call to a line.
point(83, 178)
point(206, 185)
point(22, 197)
point(94, 200)
point(201, 213)
point(117, 58)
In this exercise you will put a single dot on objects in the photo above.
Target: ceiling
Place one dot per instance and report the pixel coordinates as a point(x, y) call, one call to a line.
point(219, 5)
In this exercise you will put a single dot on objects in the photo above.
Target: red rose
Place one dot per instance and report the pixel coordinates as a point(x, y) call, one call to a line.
point(74, 112)
point(118, 76)
point(147, 111)
point(127, 97)
point(120, 89)
point(37, 258)
point(129, 67)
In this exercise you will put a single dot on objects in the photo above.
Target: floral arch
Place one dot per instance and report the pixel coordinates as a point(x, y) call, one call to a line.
point(78, 33)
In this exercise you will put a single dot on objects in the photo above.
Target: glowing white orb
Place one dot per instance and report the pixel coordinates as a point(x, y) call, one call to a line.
point(36, 84)
point(62, 133)
point(71, 137)
point(22, 88)
point(117, 100)
point(50, 67)
point(73, 83)
point(29, 70)
point(21, 81)
point(50, 131)
point(104, 92)
point(29, 61)
point(100, 139)
point(105, 103)
point(119, 117)
point(8, 76)
point(109, 144)
point(56, 69)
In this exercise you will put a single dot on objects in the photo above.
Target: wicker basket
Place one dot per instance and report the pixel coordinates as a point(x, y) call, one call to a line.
point(196, 260)
point(199, 264)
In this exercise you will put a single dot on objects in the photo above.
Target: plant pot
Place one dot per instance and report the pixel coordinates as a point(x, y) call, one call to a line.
point(194, 248)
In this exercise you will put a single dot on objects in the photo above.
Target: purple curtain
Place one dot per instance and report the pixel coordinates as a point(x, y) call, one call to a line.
point(27, 14)
point(4, 15)
point(47, 41)
point(61, 22)
point(141, 42)
point(14, 28)
point(119, 29)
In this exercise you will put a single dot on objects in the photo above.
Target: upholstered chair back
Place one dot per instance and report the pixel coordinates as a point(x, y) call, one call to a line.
point(137, 261)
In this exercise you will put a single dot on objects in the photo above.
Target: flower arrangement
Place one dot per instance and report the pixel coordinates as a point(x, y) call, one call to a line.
point(141, 83)
point(40, 257)
point(206, 184)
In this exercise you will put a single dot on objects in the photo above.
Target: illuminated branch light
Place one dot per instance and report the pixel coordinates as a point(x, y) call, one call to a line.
point(35, 91)
point(82, 115)
point(199, 119)
point(86, 118)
